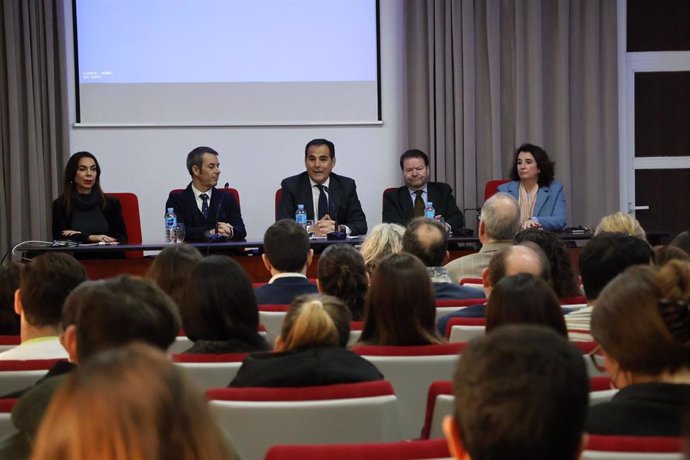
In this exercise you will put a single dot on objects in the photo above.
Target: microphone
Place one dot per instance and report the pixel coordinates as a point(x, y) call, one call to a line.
point(220, 206)
point(333, 212)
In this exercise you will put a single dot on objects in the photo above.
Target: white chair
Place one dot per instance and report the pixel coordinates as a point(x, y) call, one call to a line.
point(440, 402)
point(633, 448)
point(600, 390)
point(272, 317)
point(257, 418)
point(210, 370)
point(465, 333)
point(19, 374)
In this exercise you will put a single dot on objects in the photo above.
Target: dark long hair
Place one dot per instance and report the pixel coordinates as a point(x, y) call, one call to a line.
point(547, 170)
point(68, 180)
point(342, 274)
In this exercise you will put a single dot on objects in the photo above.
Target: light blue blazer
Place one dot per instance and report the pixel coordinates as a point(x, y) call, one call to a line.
point(549, 210)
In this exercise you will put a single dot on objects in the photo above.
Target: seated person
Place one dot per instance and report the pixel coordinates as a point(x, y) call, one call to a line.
point(45, 283)
point(407, 202)
point(146, 407)
point(171, 268)
point(330, 200)
point(400, 308)
point(83, 213)
point(621, 222)
point(342, 274)
point(9, 283)
point(502, 408)
point(201, 207)
point(286, 257)
point(641, 323)
point(382, 241)
point(310, 350)
point(219, 309)
point(541, 197)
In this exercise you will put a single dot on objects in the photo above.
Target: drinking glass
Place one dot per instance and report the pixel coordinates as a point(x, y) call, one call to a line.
point(179, 233)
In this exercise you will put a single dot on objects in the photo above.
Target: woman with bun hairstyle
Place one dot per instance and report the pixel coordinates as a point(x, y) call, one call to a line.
point(642, 323)
point(342, 274)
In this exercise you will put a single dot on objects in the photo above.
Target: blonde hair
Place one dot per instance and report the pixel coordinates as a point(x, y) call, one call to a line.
point(620, 222)
point(316, 320)
point(129, 403)
point(382, 241)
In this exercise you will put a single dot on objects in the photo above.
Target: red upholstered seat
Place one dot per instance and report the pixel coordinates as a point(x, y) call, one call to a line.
point(403, 450)
point(647, 444)
point(279, 195)
point(18, 374)
point(129, 204)
point(491, 187)
point(433, 418)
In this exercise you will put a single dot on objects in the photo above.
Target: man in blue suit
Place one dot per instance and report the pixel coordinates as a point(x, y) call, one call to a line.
point(330, 200)
point(286, 256)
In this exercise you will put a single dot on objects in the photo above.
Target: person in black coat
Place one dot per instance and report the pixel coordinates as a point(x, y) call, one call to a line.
point(330, 200)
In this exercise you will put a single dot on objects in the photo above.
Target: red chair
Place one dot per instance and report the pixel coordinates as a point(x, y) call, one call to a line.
point(633, 447)
point(279, 196)
point(258, 418)
point(491, 187)
point(465, 329)
point(600, 389)
point(403, 450)
point(19, 374)
point(272, 316)
point(473, 282)
point(446, 306)
point(9, 341)
point(210, 370)
point(130, 214)
point(440, 402)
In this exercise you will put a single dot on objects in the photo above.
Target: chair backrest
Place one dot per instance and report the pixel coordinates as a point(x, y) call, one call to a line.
point(411, 369)
point(210, 370)
point(465, 329)
point(439, 403)
point(600, 389)
point(633, 447)
point(491, 187)
point(6, 426)
point(403, 450)
point(279, 196)
point(9, 341)
point(447, 306)
point(472, 282)
point(355, 332)
point(130, 214)
point(257, 418)
point(19, 374)
point(272, 316)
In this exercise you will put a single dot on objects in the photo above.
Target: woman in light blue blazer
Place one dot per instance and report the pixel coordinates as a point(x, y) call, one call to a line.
point(541, 198)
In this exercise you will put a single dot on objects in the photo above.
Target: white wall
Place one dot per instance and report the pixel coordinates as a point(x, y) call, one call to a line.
point(151, 161)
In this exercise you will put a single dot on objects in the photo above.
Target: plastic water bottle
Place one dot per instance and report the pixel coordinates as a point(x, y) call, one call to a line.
point(301, 216)
point(170, 224)
point(429, 211)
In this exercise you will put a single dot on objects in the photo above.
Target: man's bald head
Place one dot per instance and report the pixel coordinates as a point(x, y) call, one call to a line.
point(517, 259)
point(426, 239)
point(500, 218)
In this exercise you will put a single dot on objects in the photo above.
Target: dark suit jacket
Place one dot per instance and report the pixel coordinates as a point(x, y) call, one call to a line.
point(399, 209)
point(473, 311)
point(283, 290)
point(196, 225)
point(343, 201)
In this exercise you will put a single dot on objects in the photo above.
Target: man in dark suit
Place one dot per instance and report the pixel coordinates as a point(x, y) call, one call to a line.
point(286, 256)
point(330, 200)
point(205, 210)
point(402, 204)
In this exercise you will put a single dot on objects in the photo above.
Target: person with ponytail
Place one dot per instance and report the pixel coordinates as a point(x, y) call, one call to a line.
point(642, 323)
point(342, 274)
point(310, 349)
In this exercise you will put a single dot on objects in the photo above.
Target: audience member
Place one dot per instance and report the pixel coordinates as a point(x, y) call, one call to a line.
point(382, 241)
point(219, 309)
point(342, 274)
point(97, 315)
point(682, 241)
point(201, 207)
point(129, 403)
point(601, 259)
point(44, 285)
point(664, 254)
point(641, 321)
point(427, 240)
point(525, 299)
point(9, 283)
point(310, 349)
point(402, 204)
point(400, 307)
point(562, 277)
point(286, 257)
point(521, 393)
point(620, 222)
point(329, 199)
point(171, 268)
point(499, 221)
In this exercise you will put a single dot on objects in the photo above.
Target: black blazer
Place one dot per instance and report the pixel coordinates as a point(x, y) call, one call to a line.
point(398, 207)
point(283, 290)
point(343, 201)
point(112, 213)
point(196, 225)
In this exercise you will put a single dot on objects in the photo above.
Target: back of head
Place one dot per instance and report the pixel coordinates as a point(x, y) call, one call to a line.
point(521, 392)
point(286, 244)
point(524, 298)
point(641, 319)
point(682, 240)
point(523, 258)
point(665, 254)
point(427, 240)
point(9, 283)
point(501, 216)
point(608, 254)
point(144, 408)
point(316, 321)
point(400, 305)
point(620, 222)
point(561, 270)
point(382, 241)
point(341, 273)
point(171, 268)
point(219, 301)
point(117, 311)
point(44, 285)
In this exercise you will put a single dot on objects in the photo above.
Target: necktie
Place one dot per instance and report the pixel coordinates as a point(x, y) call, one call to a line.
point(419, 204)
point(204, 205)
point(323, 201)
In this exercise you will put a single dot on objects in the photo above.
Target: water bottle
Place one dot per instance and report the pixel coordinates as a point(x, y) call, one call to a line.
point(301, 216)
point(429, 211)
point(170, 224)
